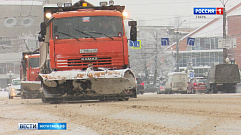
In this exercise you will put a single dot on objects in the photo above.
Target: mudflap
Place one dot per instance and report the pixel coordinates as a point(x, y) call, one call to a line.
point(94, 85)
point(30, 89)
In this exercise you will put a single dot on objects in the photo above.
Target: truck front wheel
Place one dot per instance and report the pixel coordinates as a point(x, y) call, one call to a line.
point(213, 89)
point(10, 97)
point(231, 88)
point(43, 98)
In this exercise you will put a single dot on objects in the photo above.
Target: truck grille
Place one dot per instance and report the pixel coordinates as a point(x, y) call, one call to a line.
point(79, 62)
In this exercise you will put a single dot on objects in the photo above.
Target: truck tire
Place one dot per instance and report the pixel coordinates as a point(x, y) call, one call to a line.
point(54, 101)
point(213, 89)
point(43, 98)
point(10, 97)
point(23, 96)
point(231, 89)
point(235, 89)
point(208, 91)
point(123, 99)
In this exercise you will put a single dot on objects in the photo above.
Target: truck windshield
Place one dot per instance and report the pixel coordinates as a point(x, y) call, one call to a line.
point(34, 62)
point(201, 80)
point(16, 82)
point(87, 27)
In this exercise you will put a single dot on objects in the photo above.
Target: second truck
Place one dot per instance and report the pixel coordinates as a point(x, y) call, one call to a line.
point(223, 78)
point(29, 70)
point(84, 53)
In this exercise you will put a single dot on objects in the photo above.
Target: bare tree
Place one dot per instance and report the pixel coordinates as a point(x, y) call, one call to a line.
point(152, 61)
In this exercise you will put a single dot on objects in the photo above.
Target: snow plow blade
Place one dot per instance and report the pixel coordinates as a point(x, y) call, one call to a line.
point(30, 89)
point(89, 84)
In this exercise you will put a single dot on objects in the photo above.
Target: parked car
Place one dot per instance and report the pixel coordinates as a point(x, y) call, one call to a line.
point(177, 83)
point(15, 88)
point(140, 86)
point(151, 87)
point(197, 85)
point(161, 90)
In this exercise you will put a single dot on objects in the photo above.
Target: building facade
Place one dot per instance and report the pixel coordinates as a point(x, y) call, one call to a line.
point(205, 51)
point(20, 25)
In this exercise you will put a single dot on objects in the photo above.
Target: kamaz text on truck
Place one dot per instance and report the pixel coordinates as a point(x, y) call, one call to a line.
point(84, 53)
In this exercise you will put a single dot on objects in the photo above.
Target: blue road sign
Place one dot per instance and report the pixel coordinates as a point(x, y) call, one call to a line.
point(135, 44)
point(191, 74)
point(190, 41)
point(131, 43)
point(165, 41)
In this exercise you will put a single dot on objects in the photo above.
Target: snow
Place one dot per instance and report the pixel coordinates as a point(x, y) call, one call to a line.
point(80, 74)
point(3, 94)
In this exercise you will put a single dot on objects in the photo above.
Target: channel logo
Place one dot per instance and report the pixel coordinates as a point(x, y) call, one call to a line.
point(208, 11)
point(42, 126)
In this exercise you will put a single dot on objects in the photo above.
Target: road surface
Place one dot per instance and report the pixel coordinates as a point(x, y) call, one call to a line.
point(149, 114)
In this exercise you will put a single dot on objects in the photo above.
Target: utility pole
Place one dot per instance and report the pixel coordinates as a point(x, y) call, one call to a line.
point(224, 35)
point(146, 71)
point(177, 47)
point(177, 55)
point(224, 29)
point(155, 72)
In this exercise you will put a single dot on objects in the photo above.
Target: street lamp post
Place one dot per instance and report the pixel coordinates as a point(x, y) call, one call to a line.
point(177, 47)
point(10, 74)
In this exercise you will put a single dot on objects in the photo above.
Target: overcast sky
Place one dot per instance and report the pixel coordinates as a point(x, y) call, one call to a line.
point(165, 12)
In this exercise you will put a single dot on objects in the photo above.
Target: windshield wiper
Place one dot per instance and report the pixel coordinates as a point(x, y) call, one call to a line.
point(102, 34)
point(85, 34)
point(68, 35)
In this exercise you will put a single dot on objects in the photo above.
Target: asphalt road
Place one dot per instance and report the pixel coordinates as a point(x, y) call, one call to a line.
point(150, 114)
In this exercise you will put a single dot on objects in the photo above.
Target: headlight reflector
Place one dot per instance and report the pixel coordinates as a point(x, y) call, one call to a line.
point(125, 14)
point(48, 15)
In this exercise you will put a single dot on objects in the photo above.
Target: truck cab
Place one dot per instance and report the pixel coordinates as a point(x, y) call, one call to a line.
point(30, 82)
point(32, 67)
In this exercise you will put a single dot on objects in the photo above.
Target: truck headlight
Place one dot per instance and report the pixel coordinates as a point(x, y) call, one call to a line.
point(48, 15)
point(12, 89)
point(125, 14)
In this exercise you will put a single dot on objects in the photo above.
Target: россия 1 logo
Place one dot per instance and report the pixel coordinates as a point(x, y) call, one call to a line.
point(208, 11)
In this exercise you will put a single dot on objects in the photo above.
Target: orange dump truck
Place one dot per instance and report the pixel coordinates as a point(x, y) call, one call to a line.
point(84, 53)
point(29, 70)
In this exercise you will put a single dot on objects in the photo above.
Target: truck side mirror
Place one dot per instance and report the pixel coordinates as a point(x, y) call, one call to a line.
point(133, 32)
point(41, 38)
point(43, 28)
point(42, 33)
